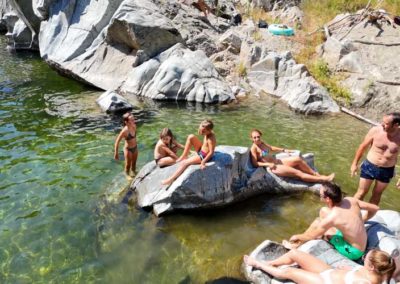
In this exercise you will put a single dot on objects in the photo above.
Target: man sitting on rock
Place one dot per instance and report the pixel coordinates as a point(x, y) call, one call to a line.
point(341, 223)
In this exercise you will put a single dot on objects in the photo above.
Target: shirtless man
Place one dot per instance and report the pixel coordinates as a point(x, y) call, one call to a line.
point(341, 222)
point(384, 143)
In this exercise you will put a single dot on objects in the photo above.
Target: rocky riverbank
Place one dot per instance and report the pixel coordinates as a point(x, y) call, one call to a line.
point(181, 50)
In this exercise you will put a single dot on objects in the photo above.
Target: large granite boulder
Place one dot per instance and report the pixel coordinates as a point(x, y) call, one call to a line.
point(367, 53)
point(178, 74)
point(22, 33)
point(383, 233)
point(280, 75)
point(228, 178)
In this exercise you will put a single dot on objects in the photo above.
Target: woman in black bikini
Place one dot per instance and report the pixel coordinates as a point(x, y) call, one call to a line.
point(130, 149)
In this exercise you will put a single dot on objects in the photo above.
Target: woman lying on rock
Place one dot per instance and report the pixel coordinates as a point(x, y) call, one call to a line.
point(204, 150)
point(287, 167)
point(378, 266)
point(166, 148)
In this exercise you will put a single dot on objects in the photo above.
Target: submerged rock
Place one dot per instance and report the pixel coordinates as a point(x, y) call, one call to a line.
point(383, 233)
point(228, 178)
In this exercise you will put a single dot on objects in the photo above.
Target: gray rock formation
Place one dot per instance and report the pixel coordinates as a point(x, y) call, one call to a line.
point(279, 75)
point(21, 32)
point(368, 54)
point(178, 74)
point(382, 232)
point(228, 178)
point(101, 43)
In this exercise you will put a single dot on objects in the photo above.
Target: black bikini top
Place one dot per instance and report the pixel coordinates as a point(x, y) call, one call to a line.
point(130, 136)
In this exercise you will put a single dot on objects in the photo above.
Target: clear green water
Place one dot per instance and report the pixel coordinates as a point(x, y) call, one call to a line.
point(58, 182)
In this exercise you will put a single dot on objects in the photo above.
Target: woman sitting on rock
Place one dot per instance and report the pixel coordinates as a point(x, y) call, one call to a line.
point(287, 167)
point(378, 267)
point(204, 150)
point(166, 148)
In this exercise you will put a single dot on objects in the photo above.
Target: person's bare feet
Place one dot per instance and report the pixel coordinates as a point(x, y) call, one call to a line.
point(166, 182)
point(290, 245)
point(331, 177)
point(250, 261)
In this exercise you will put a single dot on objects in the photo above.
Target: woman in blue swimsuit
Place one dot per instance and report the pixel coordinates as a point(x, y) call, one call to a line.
point(288, 167)
point(130, 150)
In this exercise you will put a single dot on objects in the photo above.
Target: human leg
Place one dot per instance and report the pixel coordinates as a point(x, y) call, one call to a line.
point(191, 140)
point(286, 171)
point(298, 163)
point(166, 161)
point(309, 272)
point(182, 167)
point(377, 192)
point(134, 159)
point(128, 160)
point(363, 187)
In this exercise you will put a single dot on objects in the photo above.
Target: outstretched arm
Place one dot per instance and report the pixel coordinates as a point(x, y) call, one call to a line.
point(180, 146)
point(317, 232)
point(369, 207)
point(116, 145)
point(361, 149)
point(255, 162)
point(170, 152)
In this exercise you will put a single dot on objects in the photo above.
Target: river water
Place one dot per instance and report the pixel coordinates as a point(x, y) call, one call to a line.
point(60, 221)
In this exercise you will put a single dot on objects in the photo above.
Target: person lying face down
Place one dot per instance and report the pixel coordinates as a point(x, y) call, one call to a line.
point(295, 167)
point(205, 150)
point(378, 267)
point(340, 222)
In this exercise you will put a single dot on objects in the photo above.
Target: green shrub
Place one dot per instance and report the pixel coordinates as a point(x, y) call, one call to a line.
point(242, 70)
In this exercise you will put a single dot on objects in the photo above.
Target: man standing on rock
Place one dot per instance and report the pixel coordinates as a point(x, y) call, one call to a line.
point(384, 143)
point(341, 223)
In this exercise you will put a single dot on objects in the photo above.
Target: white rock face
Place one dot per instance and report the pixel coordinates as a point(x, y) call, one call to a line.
point(279, 75)
point(369, 55)
point(227, 178)
point(178, 74)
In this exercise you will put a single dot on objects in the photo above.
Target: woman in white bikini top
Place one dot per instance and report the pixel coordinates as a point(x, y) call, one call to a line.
point(378, 267)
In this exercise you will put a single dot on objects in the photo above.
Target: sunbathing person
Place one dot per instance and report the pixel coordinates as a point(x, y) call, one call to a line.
point(204, 150)
point(288, 167)
point(341, 223)
point(166, 148)
point(378, 267)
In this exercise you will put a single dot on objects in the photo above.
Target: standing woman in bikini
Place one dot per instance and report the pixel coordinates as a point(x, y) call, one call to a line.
point(130, 149)
point(378, 267)
point(287, 167)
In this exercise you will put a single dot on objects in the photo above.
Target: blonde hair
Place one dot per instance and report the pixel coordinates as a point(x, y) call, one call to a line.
point(207, 124)
point(255, 130)
point(383, 263)
point(166, 132)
